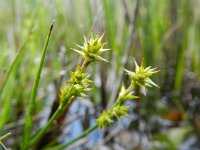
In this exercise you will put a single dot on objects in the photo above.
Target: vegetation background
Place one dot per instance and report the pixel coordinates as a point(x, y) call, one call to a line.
point(166, 33)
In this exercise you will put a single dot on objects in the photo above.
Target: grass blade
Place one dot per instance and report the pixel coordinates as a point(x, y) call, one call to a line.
point(28, 121)
point(14, 63)
point(17, 59)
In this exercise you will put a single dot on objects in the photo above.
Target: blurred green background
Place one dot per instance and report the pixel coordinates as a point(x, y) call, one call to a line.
point(166, 33)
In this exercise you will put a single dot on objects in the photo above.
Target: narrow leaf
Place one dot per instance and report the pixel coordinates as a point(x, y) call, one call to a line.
point(28, 120)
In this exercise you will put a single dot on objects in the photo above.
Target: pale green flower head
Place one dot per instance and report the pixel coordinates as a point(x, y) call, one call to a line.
point(104, 120)
point(119, 111)
point(125, 94)
point(141, 76)
point(92, 48)
point(67, 92)
point(79, 90)
point(79, 86)
point(64, 94)
point(78, 77)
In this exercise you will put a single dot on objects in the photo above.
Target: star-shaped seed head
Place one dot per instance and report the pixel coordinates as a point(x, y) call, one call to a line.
point(104, 120)
point(141, 76)
point(78, 77)
point(92, 48)
point(120, 111)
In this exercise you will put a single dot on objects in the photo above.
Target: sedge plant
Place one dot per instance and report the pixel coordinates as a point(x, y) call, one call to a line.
point(138, 78)
point(79, 84)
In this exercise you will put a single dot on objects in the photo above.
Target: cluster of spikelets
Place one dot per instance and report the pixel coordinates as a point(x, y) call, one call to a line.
point(140, 77)
point(78, 84)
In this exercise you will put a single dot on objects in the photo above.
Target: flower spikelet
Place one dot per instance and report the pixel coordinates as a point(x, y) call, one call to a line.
point(119, 111)
point(78, 77)
point(92, 48)
point(141, 76)
point(104, 120)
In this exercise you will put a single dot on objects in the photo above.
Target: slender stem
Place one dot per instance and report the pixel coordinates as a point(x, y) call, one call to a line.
point(2, 147)
point(85, 133)
point(85, 64)
point(5, 136)
point(40, 133)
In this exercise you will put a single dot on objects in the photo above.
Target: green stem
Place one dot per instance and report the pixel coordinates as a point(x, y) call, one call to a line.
point(85, 64)
point(85, 133)
point(41, 132)
point(5, 136)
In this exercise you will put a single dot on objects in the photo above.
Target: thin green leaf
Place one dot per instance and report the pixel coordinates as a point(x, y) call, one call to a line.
point(28, 120)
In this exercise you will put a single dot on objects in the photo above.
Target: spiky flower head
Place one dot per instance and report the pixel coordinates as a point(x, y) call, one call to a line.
point(92, 48)
point(119, 111)
point(64, 94)
point(141, 76)
point(104, 120)
point(126, 94)
point(79, 86)
point(67, 92)
point(78, 77)
point(79, 90)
